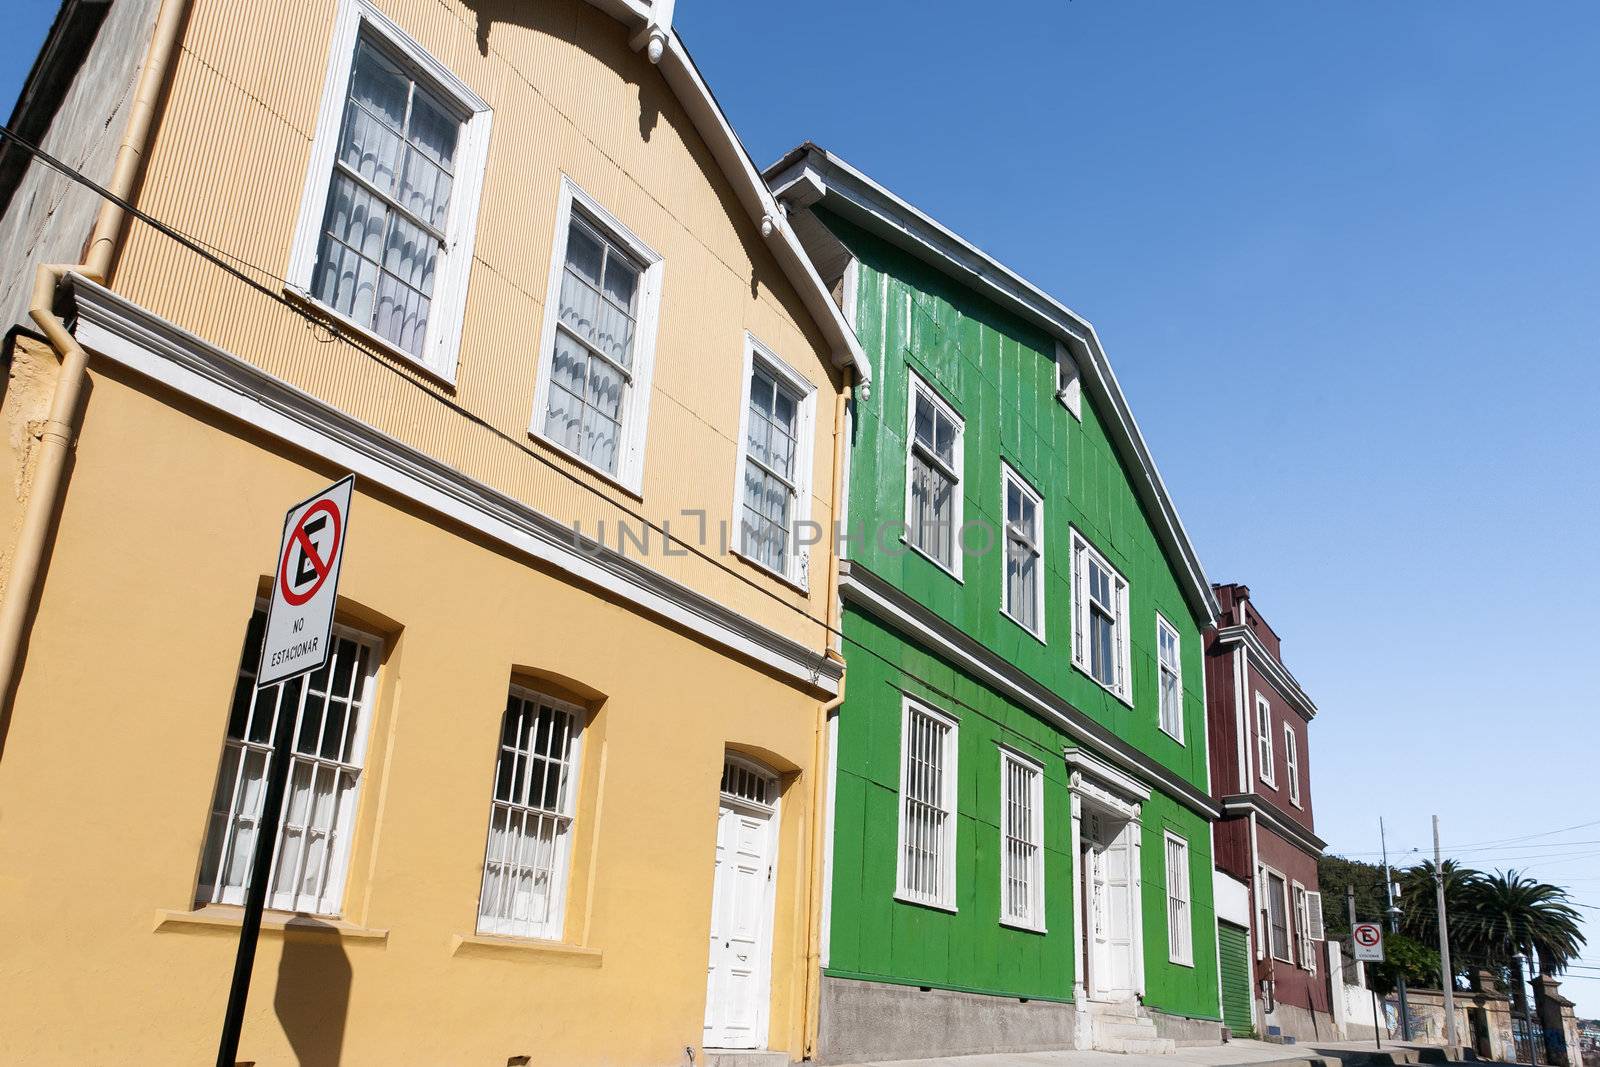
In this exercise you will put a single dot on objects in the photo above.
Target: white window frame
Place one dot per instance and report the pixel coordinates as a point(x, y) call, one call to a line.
point(1176, 733)
point(1302, 932)
point(946, 899)
point(447, 310)
point(1268, 769)
point(797, 561)
point(329, 901)
point(553, 927)
point(1008, 478)
point(1268, 874)
point(1082, 552)
point(636, 399)
point(1181, 893)
point(1069, 382)
point(1034, 874)
point(1291, 760)
point(919, 385)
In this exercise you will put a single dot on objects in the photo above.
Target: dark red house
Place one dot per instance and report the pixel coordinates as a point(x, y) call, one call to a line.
point(1269, 908)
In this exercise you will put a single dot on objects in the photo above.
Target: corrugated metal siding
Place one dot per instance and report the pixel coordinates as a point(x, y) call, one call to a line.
point(1234, 944)
point(569, 97)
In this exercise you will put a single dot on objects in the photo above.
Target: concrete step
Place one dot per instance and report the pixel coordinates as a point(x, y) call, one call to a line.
point(1155, 1046)
point(1139, 1030)
point(745, 1058)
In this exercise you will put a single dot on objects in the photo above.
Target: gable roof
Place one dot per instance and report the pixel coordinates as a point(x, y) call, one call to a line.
point(809, 174)
point(650, 23)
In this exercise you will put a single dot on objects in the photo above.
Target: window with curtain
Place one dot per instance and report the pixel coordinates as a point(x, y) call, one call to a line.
point(331, 709)
point(1180, 928)
point(1169, 682)
point(592, 369)
point(1100, 619)
point(771, 484)
point(927, 807)
point(386, 227)
point(933, 498)
point(1023, 590)
point(1021, 841)
point(1277, 913)
point(530, 818)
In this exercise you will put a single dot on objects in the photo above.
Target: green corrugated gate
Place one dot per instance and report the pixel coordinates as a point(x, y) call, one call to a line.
point(1234, 943)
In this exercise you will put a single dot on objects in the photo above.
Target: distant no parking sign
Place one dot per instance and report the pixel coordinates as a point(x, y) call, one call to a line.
point(305, 585)
point(1369, 942)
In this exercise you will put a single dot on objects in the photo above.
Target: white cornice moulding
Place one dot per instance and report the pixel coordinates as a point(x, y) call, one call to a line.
point(1268, 664)
point(1276, 821)
point(865, 589)
point(119, 330)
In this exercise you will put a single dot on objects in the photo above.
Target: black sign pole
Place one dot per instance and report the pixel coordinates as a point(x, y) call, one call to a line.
point(260, 872)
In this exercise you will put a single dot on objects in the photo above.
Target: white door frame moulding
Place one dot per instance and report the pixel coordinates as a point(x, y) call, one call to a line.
point(125, 333)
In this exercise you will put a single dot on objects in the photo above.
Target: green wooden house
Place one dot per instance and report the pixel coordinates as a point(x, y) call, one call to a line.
point(1021, 852)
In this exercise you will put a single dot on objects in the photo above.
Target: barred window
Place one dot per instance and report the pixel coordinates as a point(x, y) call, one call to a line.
point(1276, 913)
point(331, 709)
point(933, 476)
point(1180, 929)
point(1021, 841)
point(1100, 619)
point(530, 820)
point(928, 807)
point(1170, 680)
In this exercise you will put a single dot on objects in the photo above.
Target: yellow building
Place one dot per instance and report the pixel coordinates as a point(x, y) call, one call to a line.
point(555, 796)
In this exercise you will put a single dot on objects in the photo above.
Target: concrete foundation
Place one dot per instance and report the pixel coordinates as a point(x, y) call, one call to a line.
point(864, 1021)
point(1302, 1024)
point(1185, 1032)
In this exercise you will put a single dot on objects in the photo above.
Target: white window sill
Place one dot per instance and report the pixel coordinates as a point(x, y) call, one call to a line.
point(1176, 962)
point(1176, 737)
point(1083, 669)
point(231, 917)
point(500, 946)
point(566, 453)
point(793, 583)
point(906, 898)
point(1027, 928)
point(342, 322)
point(1035, 634)
point(953, 572)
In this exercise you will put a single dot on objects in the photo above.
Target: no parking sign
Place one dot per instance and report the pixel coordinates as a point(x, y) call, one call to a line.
point(305, 585)
point(1369, 942)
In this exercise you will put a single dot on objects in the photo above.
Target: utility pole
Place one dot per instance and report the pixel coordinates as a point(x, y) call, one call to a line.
point(1393, 912)
point(1447, 976)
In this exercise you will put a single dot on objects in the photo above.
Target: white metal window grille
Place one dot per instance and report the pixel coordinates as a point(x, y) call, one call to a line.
point(1278, 916)
point(933, 497)
point(1180, 927)
point(1291, 762)
point(1100, 638)
point(1021, 841)
point(1023, 594)
point(1170, 680)
point(749, 785)
point(331, 709)
point(1269, 773)
point(592, 367)
point(927, 808)
point(385, 227)
point(530, 821)
point(771, 461)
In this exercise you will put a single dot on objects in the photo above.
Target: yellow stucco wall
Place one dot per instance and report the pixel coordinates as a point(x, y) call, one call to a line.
point(569, 97)
point(113, 748)
point(172, 514)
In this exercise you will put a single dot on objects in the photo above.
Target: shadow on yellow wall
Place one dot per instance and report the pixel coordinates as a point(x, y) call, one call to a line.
point(312, 999)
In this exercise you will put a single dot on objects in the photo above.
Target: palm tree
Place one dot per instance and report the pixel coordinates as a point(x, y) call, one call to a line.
point(1419, 911)
point(1510, 913)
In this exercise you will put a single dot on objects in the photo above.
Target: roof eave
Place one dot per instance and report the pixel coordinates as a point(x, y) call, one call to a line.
point(826, 177)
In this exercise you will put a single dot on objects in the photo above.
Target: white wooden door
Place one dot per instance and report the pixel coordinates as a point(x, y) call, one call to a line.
point(738, 971)
point(1119, 913)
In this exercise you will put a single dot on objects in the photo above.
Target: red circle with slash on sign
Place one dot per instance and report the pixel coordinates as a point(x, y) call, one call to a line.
point(321, 564)
point(1368, 934)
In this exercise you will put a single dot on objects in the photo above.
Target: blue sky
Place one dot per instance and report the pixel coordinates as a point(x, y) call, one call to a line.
point(1346, 261)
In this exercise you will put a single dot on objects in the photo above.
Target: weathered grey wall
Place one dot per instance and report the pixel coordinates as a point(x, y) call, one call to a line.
point(1184, 1031)
point(49, 216)
point(864, 1021)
